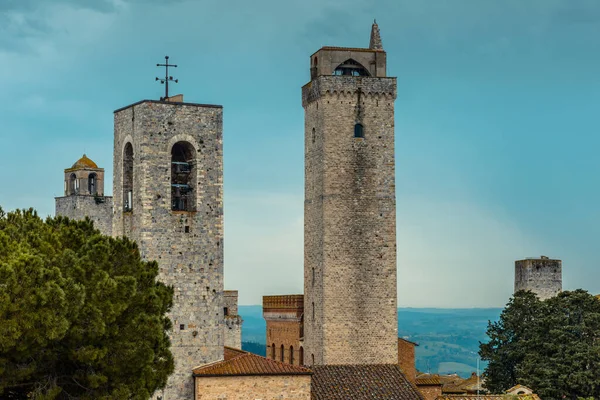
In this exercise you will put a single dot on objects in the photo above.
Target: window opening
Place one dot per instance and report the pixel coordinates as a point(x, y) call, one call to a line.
point(359, 131)
point(225, 311)
point(292, 355)
point(128, 177)
point(92, 184)
point(281, 355)
point(182, 177)
point(73, 184)
point(273, 351)
point(301, 355)
point(181, 327)
point(350, 68)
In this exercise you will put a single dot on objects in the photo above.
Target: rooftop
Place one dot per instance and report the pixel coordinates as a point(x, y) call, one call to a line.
point(241, 363)
point(83, 163)
point(361, 382)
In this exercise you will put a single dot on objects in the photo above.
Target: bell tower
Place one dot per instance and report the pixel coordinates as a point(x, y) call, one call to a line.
point(350, 303)
point(84, 195)
point(168, 192)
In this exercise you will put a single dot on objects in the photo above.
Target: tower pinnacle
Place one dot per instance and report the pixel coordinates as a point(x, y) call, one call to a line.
point(375, 43)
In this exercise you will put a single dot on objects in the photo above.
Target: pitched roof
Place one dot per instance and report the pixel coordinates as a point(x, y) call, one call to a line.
point(469, 385)
point(487, 397)
point(239, 363)
point(428, 380)
point(358, 382)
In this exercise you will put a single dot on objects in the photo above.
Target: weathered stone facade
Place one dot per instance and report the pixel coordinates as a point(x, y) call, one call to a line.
point(98, 209)
point(350, 210)
point(285, 332)
point(542, 276)
point(84, 195)
point(233, 321)
point(157, 144)
point(264, 387)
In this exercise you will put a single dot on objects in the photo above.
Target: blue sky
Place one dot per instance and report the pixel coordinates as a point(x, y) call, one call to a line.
point(496, 124)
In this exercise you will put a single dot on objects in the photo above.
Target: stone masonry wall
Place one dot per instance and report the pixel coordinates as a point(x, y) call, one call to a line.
point(233, 322)
point(99, 210)
point(350, 222)
point(542, 276)
point(292, 387)
point(232, 331)
point(188, 245)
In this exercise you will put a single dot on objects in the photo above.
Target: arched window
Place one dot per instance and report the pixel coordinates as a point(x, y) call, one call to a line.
point(359, 131)
point(92, 183)
point(292, 355)
point(73, 184)
point(281, 356)
point(312, 358)
point(301, 355)
point(273, 351)
point(313, 277)
point(314, 135)
point(351, 68)
point(183, 173)
point(313, 311)
point(128, 177)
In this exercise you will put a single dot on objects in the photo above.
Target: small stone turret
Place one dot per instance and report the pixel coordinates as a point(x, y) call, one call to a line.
point(542, 276)
point(84, 195)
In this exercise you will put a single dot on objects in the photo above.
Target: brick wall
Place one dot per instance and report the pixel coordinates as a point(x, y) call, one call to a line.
point(406, 359)
point(292, 387)
point(188, 245)
point(350, 221)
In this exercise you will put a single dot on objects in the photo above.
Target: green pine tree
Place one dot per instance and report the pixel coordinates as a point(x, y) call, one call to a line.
point(551, 346)
point(81, 315)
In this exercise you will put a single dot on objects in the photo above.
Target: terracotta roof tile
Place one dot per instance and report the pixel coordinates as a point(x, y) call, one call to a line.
point(361, 382)
point(428, 379)
point(239, 363)
point(487, 397)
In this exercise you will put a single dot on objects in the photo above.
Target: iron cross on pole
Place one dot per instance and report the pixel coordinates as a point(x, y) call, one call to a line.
point(167, 78)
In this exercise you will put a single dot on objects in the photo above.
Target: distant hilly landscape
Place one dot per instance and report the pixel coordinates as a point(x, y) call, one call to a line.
point(448, 338)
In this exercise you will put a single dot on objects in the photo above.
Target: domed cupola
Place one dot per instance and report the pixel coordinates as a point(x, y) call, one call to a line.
point(84, 178)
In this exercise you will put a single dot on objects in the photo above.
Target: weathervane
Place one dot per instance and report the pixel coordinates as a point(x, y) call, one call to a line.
point(167, 78)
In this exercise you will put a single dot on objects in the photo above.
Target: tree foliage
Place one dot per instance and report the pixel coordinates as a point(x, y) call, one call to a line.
point(551, 346)
point(81, 315)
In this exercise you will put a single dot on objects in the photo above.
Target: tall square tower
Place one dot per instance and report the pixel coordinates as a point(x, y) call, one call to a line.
point(350, 303)
point(168, 197)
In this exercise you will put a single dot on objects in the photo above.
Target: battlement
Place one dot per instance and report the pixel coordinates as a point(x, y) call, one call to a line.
point(338, 85)
point(284, 302)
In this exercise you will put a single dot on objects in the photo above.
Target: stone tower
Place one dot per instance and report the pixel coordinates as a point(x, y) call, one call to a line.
point(542, 276)
point(168, 197)
point(84, 195)
point(350, 314)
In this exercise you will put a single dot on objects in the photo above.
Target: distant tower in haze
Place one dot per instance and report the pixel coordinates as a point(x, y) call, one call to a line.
point(542, 276)
point(350, 297)
point(84, 195)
